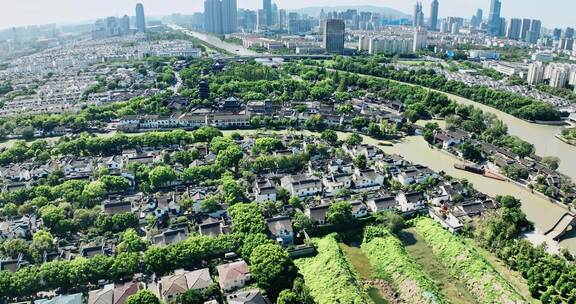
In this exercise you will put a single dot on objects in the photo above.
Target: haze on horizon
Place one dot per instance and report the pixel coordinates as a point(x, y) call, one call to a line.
point(553, 13)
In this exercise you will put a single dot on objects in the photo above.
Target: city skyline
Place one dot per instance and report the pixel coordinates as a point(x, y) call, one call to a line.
point(36, 12)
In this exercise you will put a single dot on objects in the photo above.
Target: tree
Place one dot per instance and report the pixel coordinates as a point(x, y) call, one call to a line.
point(267, 145)
point(42, 242)
point(221, 143)
point(124, 265)
point(361, 161)
point(374, 130)
point(271, 268)
point(232, 191)
point(339, 213)
point(287, 296)
point(10, 210)
point(394, 222)
point(551, 162)
point(353, 140)
point(330, 136)
point(210, 204)
point(471, 152)
point(230, 157)
point(27, 133)
point(14, 247)
point(143, 296)
point(114, 184)
point(161, 175)
point(359, 122)
point(247, 219)
point(315, 123)
point(206, 134)
point(302, 222)
point(130, 241)
point(252, 241)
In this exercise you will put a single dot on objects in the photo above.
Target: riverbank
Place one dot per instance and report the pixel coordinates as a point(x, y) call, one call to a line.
point(543, 137)
point(566, 140)
point(505, 178)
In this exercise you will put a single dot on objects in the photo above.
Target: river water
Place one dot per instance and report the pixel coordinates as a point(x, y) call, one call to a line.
point(541, 136)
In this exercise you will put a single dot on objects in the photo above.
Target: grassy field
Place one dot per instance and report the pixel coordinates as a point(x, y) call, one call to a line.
point(330, 277)
point(454, 290)
point(465, 263)
point(511, 276)
point(392, 263)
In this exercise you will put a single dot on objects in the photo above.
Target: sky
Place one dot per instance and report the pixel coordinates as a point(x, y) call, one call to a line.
point(553, 13)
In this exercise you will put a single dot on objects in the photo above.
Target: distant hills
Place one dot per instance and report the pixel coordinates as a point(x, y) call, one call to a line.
point(384, 11)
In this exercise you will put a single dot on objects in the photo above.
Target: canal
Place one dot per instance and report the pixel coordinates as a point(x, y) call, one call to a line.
point(543, 137)
point(538, 209)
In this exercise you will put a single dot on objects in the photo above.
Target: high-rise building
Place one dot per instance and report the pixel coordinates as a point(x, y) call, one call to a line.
point(557, 34)
point(535, 73)
point(534, 32)
point(569, 33)
point(274, 14)
point(477, 18)
point(140, 18)
point(559, 76)
point(247, 20)
point(502, 32)
point(267, 7)
point(220, 16)
point(418, 15)
point(420, 39)
point(525, 29)
point(514, 29)
point(282, 19)
point(229, 16)
point(334, 34)
point(494, 20)
point(213, 16)
point(434, 15)
point(567, 44)
point(125, 25)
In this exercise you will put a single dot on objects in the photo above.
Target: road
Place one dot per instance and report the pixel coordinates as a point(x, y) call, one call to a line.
point(216, 42)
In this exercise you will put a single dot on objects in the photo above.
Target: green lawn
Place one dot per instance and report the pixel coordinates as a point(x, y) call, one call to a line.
point(511, 276)
point(455, 291)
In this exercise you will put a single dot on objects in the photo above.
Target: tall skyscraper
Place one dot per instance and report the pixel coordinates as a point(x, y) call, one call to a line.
point(477, 18)
point(221, 16)
point(229, 16)
point(213, 16)
point(557, 34)
point(334, 32)
point(282, 19)
point(514, 29)
point(140, 19)
point(274, 15)
point(267, 7)
point(569, 33)
point(494, 21)
point(434, 15)
point(534, 32)
point(525, 29)
point(125, 25)
point(418, 15)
